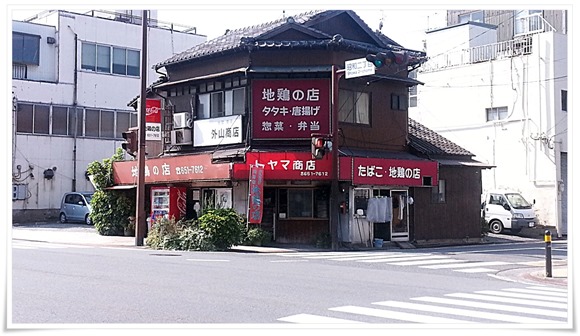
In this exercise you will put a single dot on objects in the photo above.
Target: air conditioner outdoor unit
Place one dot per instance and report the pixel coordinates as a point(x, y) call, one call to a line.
point(182, 120)
point(181, 137)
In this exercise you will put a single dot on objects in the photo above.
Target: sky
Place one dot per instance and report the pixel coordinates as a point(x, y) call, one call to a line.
point(405, 25)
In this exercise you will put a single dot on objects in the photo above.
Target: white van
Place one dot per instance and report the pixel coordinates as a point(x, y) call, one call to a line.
point(506, 209)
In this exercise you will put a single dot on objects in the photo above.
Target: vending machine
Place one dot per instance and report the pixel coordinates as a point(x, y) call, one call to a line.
point(168, 202)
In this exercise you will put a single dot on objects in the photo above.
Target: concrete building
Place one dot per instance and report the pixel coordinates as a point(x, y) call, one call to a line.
point(73, 75)
point(500, 91)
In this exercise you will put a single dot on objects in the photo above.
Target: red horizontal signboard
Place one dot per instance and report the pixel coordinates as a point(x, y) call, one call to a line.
point(286, 166)
point(171, 169)
point(290, 108)
point(374, 171)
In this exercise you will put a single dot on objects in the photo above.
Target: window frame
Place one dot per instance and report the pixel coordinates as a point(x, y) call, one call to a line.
point(109, 66)
point(564, 100)
point(496, 113)
point(23, 50)
point(360, 112)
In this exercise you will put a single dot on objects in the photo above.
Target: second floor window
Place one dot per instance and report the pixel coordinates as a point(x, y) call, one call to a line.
point(413, 90)
point(354, 107)
point(496, 113)
point(107, 59)
point(473, 17)
point(221, 103)
point(25, 48)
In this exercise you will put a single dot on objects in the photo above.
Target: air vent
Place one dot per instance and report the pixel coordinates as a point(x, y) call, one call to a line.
point(182, 120)
point(181, 137)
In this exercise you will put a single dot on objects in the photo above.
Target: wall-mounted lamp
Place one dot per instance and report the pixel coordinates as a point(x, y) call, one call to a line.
point(48, 174)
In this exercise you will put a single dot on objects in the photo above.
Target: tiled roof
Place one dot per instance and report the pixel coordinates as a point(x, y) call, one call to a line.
point(257, 37)
point(427, 141)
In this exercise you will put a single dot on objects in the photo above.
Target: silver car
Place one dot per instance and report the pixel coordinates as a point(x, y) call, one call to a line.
point(76, 206)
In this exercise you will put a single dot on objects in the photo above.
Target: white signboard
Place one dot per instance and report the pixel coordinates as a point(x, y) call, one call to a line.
point(153, 131)
point(217, 131)
point(358, 67)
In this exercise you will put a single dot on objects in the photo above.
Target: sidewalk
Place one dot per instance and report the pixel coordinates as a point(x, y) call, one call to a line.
point(80, 234)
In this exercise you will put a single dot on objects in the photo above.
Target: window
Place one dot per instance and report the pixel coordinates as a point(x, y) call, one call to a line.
point(304, 203)
point(106, 59)
point(25, 48)
point(496, 113)
point(413, 90)
point(59, 120)
point(78, 115)
point(41, 119)
point(24, 118)
point(353, 107)
point(92, 123)
point(564, 100)
point(527, 21)
point(398, 102)
point(473, 17)
point(221, 103)
point(438, 192)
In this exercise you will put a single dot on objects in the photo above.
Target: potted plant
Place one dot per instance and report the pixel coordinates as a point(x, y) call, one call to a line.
point(130, 228)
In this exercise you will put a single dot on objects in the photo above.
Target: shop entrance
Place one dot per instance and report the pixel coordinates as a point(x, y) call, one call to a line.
point(269, 211)
point(400, 222)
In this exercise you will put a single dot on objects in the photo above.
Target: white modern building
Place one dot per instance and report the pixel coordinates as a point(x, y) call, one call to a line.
point(505, 101)
point(73, 75)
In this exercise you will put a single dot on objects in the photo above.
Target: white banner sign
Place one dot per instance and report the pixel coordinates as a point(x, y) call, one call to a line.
point(358, 67)
point(217, 131)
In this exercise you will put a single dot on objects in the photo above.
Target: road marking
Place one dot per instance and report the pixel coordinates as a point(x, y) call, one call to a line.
point(532, 291)
point(315, 319)
point(463, 312)
point(471, 264)
point(209, 260)
point(524, 296)
point(339, 256)
point(46, 245)
point(494, 306)
point(387, 260)
point(426, 262)
point(509, 300)
point(373, 256)
point(552, 289)
point(396, 315)
point(287, 261)
point(475, 270)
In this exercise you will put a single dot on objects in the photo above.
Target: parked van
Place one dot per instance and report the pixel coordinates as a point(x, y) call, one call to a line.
point(506, 209)
point(76, 206)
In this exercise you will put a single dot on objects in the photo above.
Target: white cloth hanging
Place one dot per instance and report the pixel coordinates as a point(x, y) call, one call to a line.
point(389, 209)
point(401, 207)
point(373, 209)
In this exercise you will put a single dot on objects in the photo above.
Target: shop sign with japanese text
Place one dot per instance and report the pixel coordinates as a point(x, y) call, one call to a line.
point(153, 119)
point(170, 169)
point(255, 207)
point(374, 171)
point(217, 131)
point(286, 166)
point(290, 108)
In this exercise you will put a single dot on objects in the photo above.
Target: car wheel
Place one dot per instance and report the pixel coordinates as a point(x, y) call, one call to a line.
point(88, 220)
point(495, 226)
point(62, 217)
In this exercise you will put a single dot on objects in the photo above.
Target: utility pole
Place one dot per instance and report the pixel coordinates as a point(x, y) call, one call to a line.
point(334, 192)
point(141, 224)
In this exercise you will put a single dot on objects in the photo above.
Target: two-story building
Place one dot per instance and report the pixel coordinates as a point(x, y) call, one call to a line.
point(242, 111)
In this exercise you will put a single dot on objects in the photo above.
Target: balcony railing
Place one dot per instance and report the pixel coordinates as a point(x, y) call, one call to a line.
point(19, 71)
point(520, 45)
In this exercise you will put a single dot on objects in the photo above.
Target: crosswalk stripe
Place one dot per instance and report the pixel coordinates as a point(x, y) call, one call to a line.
point(510, 300)
point(475, 270)
point(539, 292)
point(396, 315)
point(493, 306)
point(426, 262)
point(373, 256)
point(45, 245)
point(551, 289)
point(337, 256)
point(463, 312)
point(471, 264)
point(524, 296)
point(388, 259)
point(314, 319)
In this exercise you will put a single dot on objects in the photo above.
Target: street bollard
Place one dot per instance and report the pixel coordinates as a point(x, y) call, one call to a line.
point(548, 240)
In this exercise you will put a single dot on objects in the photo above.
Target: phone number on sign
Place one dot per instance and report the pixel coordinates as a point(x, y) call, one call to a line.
point(307, 173)
point(189, 170)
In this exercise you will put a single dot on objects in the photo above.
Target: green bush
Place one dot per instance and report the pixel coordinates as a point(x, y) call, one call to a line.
point(257, 236)
point(224, 227)
point(484, 226)
point(216, 229)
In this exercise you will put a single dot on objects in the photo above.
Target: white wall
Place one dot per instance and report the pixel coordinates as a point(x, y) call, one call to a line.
point(103, 91)
point(453, 101)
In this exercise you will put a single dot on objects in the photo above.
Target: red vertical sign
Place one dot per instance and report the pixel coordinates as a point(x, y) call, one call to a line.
point(256, 194)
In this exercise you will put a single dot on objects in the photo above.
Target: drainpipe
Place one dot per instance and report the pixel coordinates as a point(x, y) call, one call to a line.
point(75, 105)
